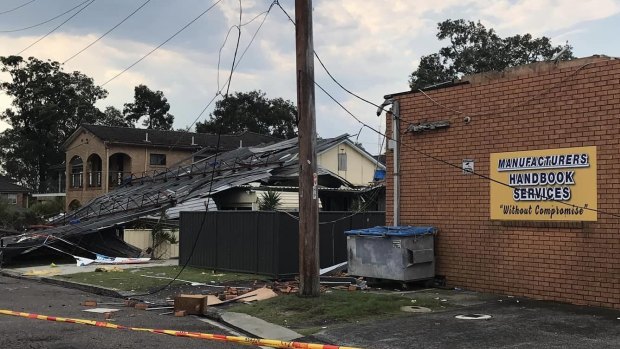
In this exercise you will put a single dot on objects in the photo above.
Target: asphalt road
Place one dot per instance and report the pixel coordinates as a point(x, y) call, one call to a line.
point(35, 297)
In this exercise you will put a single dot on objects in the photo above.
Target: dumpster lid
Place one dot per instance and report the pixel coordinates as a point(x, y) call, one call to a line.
point(393, 231)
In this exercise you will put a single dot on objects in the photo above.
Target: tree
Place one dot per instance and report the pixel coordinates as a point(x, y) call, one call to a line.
point(269, 200)
point(152, 105)
point(113, 117)
point(48, 105)
point(475, 49)
point(252, 111)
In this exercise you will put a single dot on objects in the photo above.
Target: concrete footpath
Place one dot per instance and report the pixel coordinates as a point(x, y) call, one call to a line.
point(511, 322)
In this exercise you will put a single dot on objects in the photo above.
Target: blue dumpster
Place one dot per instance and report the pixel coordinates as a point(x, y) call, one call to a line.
point(403, 253)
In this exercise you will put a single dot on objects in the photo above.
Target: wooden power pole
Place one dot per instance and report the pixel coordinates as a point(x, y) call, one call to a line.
point(308, 186)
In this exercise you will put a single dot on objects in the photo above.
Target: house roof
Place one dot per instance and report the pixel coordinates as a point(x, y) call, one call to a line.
point(8, 186)
point(186, 188)
point(176, 139)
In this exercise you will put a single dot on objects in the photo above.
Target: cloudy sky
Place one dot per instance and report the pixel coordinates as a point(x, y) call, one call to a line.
point(371, 46)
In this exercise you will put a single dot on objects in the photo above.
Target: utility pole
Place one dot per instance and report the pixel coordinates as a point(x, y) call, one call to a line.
point(308, 186)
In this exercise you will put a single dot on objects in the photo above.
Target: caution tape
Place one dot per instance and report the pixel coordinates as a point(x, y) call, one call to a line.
point(215, 337)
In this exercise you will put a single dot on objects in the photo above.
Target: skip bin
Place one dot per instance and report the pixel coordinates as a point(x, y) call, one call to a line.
point(401, 253)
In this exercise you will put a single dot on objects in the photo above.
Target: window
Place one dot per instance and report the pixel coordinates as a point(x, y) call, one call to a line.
point(342, 162)
point(158, 159)
point(10, 199)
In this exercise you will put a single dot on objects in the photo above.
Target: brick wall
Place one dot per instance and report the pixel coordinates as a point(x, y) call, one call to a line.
point(540, 107)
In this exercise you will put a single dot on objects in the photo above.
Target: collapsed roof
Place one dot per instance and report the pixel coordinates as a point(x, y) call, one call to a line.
point(186, 188)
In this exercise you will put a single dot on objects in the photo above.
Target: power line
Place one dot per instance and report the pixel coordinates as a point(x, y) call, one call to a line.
point(232, 68)
point(47, 21)
point(163, 43)
point(219, 91)
point(327, 70)
point(217, 148)
point(60, 25)
point(18, 7)
point(219, 56)
point(451, 164)
point(108, 32)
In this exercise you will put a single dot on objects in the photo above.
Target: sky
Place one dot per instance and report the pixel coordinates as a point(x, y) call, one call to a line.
point(370, 46)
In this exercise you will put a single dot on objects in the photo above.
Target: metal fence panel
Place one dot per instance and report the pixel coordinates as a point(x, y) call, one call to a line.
point(265, 243)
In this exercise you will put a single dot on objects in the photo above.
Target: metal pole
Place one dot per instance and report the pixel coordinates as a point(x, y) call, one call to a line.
point(308, 191)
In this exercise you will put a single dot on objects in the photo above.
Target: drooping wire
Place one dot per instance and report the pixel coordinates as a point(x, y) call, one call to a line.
point(213, 170)
point(163, 43)
point(18, 7)
point(106, 33)
point(53, 30)
point(327, 70)
point(219, 91)
point(44, 22)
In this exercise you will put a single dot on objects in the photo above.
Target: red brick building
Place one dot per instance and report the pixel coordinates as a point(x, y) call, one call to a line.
point(535, 107)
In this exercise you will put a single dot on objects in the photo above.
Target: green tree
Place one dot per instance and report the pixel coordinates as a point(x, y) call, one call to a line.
point(48, 105)
point(476, 49)
point(111, 116)
point(152, 105)
point(252, 111)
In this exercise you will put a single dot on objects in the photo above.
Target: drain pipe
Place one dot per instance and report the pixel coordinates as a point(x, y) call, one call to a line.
point(395, 142)
point(396, 174)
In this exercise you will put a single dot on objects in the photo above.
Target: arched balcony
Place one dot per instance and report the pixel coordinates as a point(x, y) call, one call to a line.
point(76, 178)
point(119, 169)
point(94, 171)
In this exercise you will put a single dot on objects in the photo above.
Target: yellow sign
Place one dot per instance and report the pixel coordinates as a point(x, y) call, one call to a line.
point(544, 185)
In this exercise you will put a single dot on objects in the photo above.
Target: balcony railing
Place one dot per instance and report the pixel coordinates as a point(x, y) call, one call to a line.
point(77, 180)
point(118, 178)
point(94, 179)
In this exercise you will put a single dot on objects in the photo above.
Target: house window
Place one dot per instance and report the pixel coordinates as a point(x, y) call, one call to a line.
point(10, 199)
point(158, 159)
point(342, 162)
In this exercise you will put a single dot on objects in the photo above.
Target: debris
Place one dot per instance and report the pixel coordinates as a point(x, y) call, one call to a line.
point(89, 303)
point(191, 304)
point(130, 303)
point(141, 306)
point(415, 309)
point(101, 259)
point(166, 313)
point(334, 269)
point(180, 313)
point(107, 316)
point(159, 308)
point(42, 272)
point(53, 265)
point(473, 317)
point(108, 269)
point(101, 310)
point(257, 295)
point(212, 300)
point(352, 288)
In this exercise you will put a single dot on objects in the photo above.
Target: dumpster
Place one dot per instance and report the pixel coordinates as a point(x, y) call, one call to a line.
point(401, 253)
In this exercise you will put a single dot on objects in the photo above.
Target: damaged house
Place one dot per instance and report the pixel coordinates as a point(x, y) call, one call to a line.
point(233, 179)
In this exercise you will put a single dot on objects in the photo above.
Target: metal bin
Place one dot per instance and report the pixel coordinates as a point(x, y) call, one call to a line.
point(401, 253)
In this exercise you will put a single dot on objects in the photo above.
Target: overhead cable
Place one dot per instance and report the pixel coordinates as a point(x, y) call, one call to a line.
point(108, 32)
point(47, 21)
point(53, 30)
point(163, 43)
point(18, 7)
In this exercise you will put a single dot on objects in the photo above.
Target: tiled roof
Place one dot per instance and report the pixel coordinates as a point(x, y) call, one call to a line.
point(7, 186)
point(177, 139)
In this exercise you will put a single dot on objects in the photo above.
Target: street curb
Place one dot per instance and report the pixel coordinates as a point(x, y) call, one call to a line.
point(98, 290)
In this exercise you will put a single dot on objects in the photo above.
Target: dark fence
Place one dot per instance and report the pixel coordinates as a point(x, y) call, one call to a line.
point(260, 242)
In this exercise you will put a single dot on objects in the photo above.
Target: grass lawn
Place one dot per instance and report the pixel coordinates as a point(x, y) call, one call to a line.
point(308, 315)
point(131, 279)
